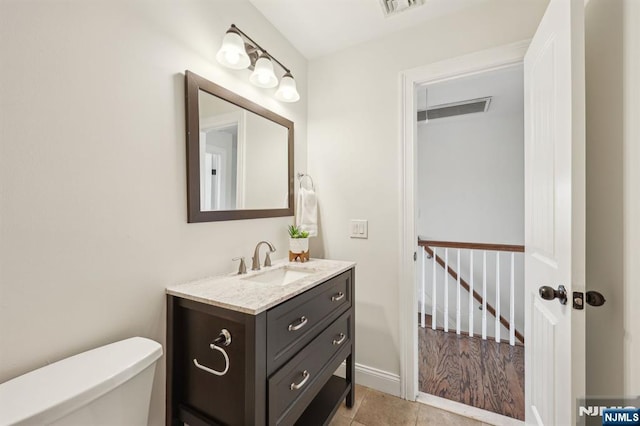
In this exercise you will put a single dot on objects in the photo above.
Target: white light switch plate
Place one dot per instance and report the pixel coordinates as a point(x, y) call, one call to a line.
point(359, 228)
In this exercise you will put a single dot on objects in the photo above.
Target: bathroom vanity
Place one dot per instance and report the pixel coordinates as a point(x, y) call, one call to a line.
point(261, 348)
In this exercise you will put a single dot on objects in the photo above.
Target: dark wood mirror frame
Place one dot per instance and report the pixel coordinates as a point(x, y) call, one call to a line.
point(193, 85)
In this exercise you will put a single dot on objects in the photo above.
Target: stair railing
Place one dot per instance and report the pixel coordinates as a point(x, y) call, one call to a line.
point(431, 252)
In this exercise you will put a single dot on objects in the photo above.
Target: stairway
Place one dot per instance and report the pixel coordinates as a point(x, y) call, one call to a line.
point(453, 299)
point(462, 355)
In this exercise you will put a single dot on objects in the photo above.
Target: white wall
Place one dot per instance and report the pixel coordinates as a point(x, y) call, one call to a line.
point(86, 251)
point(471, 169)
point(266, 164)
point(354, 152)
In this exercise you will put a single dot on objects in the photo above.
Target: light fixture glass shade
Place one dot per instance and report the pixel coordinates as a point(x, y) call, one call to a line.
point(287, 91)
point(263, 75)
point(232, 54)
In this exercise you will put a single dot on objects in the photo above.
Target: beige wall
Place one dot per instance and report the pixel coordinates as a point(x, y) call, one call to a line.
point(92, 168)
point(613, 195)
point(93, 221)
point(354, 151)
point(631, 155)
point(604, 209)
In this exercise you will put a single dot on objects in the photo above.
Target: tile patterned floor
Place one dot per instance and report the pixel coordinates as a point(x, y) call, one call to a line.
point(373, 408)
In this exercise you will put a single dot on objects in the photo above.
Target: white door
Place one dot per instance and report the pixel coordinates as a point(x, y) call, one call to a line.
point(555, 214)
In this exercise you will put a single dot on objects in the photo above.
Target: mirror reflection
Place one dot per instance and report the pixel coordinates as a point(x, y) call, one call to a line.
point(239, 156)
point(243, 158)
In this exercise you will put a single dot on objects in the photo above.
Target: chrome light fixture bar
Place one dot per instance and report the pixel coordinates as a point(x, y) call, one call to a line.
point(239, 51)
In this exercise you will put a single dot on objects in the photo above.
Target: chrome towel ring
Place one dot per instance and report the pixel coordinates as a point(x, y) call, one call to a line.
point(301, 176)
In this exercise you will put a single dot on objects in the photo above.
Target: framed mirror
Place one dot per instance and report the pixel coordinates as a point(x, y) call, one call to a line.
point(239, 156)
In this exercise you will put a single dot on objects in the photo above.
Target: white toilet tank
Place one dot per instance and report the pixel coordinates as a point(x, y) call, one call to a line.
point(109, 385)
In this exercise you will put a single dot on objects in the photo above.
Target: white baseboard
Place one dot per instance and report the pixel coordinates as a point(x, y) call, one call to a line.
point(468, 411)
point(374, 378)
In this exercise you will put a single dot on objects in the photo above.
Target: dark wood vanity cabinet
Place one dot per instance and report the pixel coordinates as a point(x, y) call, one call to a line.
point(281, 361)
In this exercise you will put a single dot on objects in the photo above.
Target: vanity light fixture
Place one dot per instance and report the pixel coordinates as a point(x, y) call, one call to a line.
point(239, 51)
point(287, 91)
point(263, 75)
point(232, 53)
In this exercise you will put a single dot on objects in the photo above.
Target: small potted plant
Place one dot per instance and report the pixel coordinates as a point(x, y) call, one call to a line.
point(298, 244)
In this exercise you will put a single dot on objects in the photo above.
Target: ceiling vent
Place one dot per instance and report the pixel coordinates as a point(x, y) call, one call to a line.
point(455, 108)
point(391, 7)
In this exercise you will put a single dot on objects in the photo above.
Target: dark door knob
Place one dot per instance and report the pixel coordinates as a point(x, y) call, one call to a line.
point(549, 293)
point(594, 298)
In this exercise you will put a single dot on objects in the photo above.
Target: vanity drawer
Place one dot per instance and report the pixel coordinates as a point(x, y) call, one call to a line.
point(292, 387)
point(293, 324)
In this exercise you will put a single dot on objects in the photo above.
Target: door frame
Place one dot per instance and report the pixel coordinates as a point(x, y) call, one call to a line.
point(228, 119)
point(462, 66)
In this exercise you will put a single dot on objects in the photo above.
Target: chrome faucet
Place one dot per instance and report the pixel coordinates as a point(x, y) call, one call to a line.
point(255, 264)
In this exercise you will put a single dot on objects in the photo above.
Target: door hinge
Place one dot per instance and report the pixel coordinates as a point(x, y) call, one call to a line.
point(415, 256)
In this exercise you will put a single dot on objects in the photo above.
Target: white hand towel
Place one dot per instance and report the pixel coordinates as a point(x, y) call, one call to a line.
point(307, 211)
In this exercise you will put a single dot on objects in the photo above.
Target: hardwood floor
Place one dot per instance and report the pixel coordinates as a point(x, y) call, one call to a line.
point(476, 372)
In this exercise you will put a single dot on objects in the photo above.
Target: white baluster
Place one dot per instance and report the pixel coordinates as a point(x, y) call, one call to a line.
point(434, 299)
point(484, 295)
point(422, 282)
point(458, 295)
point(446, 289)
point(497, 322)
point(471, 293)
point(512, 327)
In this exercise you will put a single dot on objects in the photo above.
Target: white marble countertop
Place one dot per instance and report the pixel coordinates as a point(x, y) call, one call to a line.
point(240, 293)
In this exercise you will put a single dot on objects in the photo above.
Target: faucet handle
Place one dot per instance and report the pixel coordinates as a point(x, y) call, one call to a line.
point(267, 259)
point(242, 268)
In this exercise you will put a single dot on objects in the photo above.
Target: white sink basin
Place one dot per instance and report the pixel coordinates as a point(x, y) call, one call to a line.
point(281, 276)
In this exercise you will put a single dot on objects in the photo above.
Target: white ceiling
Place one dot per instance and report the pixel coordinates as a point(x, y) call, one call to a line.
point(319, 27)
point(505, 86)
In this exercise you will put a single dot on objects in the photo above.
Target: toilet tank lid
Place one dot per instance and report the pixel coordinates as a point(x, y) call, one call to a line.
point(57, 389)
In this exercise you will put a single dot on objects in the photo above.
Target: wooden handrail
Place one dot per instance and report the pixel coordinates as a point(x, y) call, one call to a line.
point(476, 295)
point(472, 246)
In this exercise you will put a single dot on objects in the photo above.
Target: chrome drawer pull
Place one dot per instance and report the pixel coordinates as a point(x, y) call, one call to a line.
point(303, 320)
point(305, 377)
point(337, 297)
point(343, 337)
